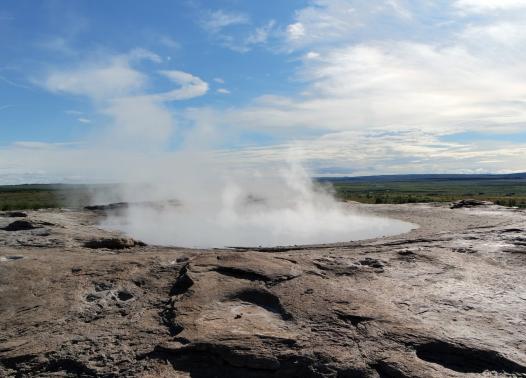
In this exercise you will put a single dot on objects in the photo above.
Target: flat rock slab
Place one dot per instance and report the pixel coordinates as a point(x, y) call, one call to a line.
point(445, 300)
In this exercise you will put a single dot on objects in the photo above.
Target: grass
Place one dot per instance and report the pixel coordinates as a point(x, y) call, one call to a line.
point(503, 191)
point(21, 197)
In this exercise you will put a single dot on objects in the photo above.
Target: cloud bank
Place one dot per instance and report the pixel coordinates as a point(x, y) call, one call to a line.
point(386, 86)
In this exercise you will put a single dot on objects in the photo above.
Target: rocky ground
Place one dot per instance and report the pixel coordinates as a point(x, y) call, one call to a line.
point(445, 300)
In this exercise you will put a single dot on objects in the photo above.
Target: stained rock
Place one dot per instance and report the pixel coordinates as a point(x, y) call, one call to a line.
point(15, 214)
point(469, 203)
point(125, 205)
point(113, 243)
point(7, 258)
point(111, 206)
point(124, 295)
point(20, 225)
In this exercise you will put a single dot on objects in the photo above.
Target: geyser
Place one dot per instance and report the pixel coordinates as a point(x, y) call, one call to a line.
point(261, 211)
point(225, 199)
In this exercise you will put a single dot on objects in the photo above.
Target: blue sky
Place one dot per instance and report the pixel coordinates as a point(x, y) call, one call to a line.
point(345, 86)
point(40, 37)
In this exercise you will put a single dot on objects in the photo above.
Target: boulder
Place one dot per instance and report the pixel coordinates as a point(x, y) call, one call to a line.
point(113, 243)
point(19, 225)
point(15, 214)
point(111, 206)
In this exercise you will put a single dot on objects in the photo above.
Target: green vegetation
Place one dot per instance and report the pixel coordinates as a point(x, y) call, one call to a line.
point(506, 190)
point(19, 197)
point(511, 192)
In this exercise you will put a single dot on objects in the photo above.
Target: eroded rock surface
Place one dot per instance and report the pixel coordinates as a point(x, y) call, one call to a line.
point(445, 300)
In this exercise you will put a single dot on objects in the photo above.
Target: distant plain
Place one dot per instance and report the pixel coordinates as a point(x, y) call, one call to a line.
point(505, 190)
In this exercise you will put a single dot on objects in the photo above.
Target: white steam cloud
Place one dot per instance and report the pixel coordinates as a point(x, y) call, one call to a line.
point(190, 197)
point(260, 210)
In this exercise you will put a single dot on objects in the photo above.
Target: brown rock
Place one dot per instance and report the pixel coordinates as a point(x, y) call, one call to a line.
point(19, 225)
point(410, 305)
point(113, 243)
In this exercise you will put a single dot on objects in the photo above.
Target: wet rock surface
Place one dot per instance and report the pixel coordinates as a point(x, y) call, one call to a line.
point(445, 300)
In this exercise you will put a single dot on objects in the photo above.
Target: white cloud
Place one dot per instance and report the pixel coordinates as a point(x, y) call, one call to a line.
point(119, 91)
point(35, 145)
point(249, 39)
point(219, 80)
point(400, 10)
point(378, 98)
point(39, 162)
point(377, 152)
point(410, 91)
point(348, 152)
point(215, 21)
point(261, 34)
point(223, 91)
point(113, 77)
point(312, 55)
point(324, 23)
point(469, 80)
point(296, 31)
point(191, 86)
point(397, 86)
point(169, 42)
point(138, 54)
point(504, 36)
point(110, 78)
point(104, 77)
point(483, 6)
